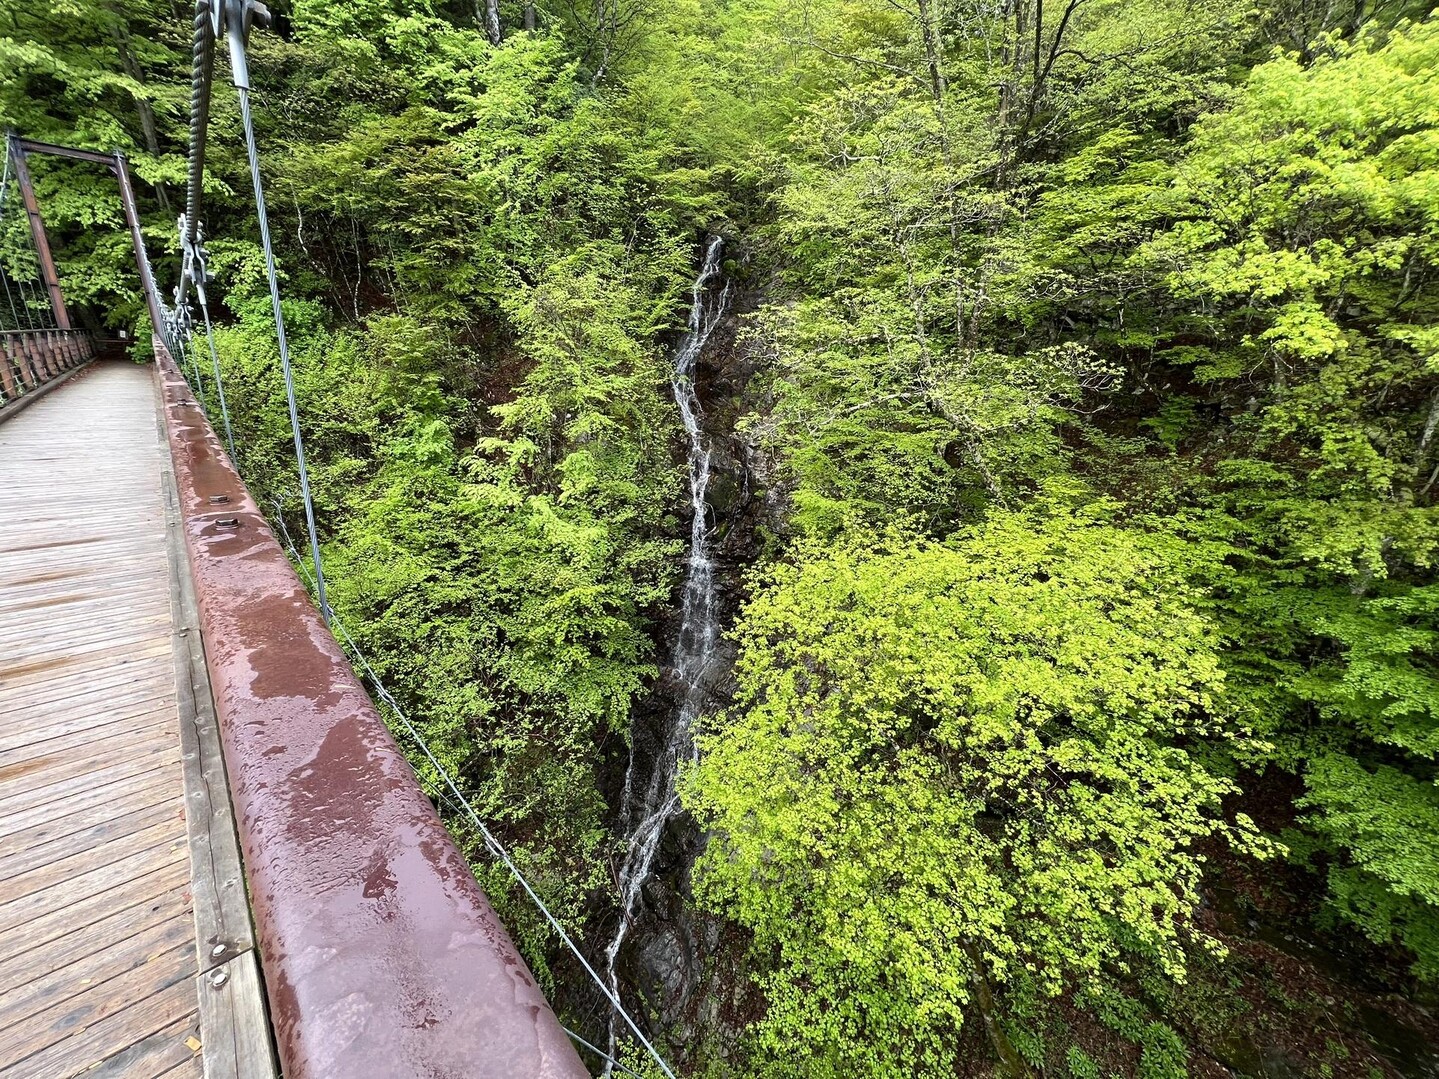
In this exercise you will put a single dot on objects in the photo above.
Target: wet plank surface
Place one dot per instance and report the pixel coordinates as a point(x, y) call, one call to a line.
point(97, 936)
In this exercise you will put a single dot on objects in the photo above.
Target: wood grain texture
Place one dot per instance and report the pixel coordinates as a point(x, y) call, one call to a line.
point(237, 1032)
point(98, 943)
point(233, 1018)
point(222, 912)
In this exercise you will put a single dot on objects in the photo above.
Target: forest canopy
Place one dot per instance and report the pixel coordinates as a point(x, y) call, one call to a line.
point(1074, 427)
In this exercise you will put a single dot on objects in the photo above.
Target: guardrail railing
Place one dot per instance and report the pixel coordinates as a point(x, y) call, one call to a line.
point(381, 955)
point(31, 358)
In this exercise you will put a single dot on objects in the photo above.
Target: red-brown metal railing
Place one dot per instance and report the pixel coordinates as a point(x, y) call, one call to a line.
point(29, 359)
point(381, 955)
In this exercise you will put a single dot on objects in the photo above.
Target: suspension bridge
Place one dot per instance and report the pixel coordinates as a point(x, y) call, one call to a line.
point(215, 858)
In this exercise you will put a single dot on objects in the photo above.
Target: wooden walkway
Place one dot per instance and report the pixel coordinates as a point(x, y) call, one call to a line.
point(103, 971)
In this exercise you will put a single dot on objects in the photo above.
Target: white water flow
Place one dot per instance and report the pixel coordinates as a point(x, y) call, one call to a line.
point(649, 802)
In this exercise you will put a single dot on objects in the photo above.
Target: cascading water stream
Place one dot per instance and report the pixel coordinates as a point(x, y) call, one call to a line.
point(648, 803)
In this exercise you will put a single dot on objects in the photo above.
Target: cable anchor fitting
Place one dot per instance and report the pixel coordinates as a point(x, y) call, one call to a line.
point(195, 258)
point(232, 20)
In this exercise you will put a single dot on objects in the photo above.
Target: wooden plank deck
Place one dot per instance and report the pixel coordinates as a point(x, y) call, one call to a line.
point(104, 959)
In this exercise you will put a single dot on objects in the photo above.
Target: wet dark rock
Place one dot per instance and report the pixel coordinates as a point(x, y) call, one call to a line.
point(1244, 1057)
point(685, 969)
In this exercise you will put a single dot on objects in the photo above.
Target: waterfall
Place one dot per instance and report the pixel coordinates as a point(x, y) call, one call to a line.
point(648, 803)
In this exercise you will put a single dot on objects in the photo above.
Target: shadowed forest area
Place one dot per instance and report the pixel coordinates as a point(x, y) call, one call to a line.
point(914, 520)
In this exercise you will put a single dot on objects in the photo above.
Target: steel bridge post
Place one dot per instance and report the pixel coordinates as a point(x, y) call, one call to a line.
point(37, 231)
point(142, 263)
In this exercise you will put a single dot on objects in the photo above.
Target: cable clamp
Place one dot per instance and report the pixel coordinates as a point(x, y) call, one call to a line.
point(195, 258)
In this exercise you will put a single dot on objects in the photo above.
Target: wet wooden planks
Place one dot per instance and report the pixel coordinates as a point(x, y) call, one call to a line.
point(98, 966)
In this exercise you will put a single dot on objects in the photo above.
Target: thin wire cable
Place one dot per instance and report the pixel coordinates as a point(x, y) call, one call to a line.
point(29, 305)
point(457, 796)
point(178, 345)
point(219, 382)
point(187, 348)
point(10, 299)
point(496, 849)
point(24, 303)
point(601, 1053)
point(5, 277)
point(254, 153)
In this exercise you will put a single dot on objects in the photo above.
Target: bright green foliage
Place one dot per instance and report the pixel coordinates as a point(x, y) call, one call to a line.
point(1306, 213)
point(1162, 1052)
point(1263, 292)
point(1308, 218)
point(915, 373)
point(501, 599)
point(75, 74)
point(1386, 823)
point(953, 764)
point(1091, 392)
point(1374, 802)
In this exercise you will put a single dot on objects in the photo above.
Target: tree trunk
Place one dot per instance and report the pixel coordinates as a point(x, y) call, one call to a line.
point(605, 20)
point(930, 33)
point(1431, 425)
point(142, 107)
point(491, 20)
point(1013, 1064)
point(1012, 58)
point(1042, 65)
point(529, 23)
point(1008, 62)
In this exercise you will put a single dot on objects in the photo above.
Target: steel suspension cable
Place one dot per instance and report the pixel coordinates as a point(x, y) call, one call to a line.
point(274, 279)
point(201, 75)
point(219, 382)
point(5, 277)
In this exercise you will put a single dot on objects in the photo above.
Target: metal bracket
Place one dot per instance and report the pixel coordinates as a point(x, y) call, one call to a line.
point(179, 318)
point(195, 257)
point(234, 18)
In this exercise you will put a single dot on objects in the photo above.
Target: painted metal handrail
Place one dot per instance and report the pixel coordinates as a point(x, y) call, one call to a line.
point(29, 359)
point(381, 955)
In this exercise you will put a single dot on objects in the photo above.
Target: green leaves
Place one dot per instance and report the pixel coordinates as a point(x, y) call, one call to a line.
point(1386, 824)
point(959, 763)
point(502, 593)
point(1088, 370)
